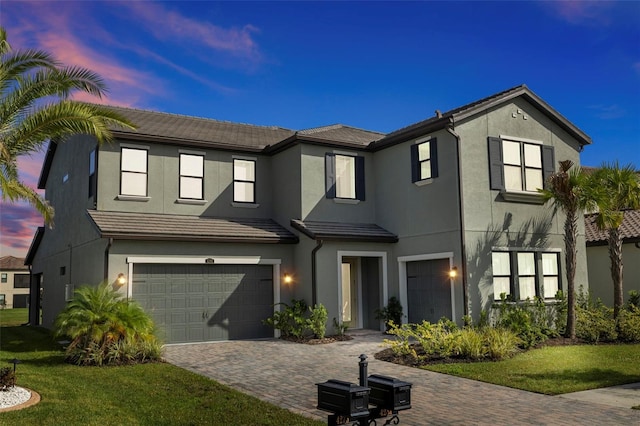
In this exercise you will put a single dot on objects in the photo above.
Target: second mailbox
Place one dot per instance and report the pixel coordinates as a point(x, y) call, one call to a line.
point(389, 393)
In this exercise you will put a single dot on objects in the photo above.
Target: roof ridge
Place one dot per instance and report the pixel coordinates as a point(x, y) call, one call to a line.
point(319, 129)
point(194, 117)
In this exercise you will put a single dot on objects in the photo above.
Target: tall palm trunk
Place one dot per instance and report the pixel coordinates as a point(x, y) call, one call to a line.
point(615, 255)
point(570, 239)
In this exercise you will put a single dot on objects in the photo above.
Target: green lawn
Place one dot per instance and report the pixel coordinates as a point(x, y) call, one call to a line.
point(556, 370)
point(150, 394)
point(15, 316)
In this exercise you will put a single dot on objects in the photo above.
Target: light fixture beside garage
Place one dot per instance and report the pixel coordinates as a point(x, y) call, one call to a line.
point(121, 280)
point(453, 272)
point(287, 279)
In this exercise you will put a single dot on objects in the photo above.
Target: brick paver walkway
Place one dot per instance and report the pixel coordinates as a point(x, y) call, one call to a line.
point(285, 374)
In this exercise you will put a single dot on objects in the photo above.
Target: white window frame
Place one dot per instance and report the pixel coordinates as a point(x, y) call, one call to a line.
point(345, 185)
point(189, 178)
point(133, 172)
point(524, 165)
point(237, 180)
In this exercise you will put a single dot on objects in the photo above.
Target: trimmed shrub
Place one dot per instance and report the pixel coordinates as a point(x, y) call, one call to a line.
point(317, 321)
point(291, 320)
point(629, 324)
point(594, 321)
point(470, 344)
point(7, 378)
point(501, 343)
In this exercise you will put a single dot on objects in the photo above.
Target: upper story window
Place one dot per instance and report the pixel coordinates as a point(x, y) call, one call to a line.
point(344, 176)
point(93, 157)
point(424, 160)
point(133, 172)
point(525, 275)
point(4, 277)
point(519, 165)
point(191, 176)
point(21, 281)
point(244, 180)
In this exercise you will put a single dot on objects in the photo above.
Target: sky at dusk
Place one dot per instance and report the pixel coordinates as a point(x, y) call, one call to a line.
point(373, 65)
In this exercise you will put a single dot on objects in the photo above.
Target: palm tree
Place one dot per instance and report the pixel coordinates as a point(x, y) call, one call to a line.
point(103, 328)
point(35, 107)
point(568, 190)
point(620, 192)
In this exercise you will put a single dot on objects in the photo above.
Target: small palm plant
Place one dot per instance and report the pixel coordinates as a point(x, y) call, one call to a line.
point(106, 329)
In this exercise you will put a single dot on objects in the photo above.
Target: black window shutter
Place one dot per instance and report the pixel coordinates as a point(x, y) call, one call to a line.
point(433, 149)
point(496, 170)
point(360, 178)
point(415, 165)
point(548, 163)
point(330, 174)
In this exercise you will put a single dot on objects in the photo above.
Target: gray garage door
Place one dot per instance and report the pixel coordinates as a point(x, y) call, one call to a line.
point(428, 290)
point(202, 303)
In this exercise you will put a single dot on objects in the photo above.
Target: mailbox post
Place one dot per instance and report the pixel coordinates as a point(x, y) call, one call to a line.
point(350, 402)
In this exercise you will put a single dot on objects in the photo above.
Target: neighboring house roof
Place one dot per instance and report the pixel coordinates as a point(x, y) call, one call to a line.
point(12, 263)
point(630, 229)
point(339, 231)
point(443, 120)
point(196, 131)
point(146, 226)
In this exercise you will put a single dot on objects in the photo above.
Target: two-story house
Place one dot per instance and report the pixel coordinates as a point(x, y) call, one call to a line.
point(208, 224)
point(14, 283)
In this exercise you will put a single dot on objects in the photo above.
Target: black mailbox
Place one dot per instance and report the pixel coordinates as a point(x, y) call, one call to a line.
point(389, 393)
point(343, 398)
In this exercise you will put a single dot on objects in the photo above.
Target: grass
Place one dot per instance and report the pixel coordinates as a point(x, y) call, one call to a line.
point(149, 394)
point(556, 370)
point(16, 316)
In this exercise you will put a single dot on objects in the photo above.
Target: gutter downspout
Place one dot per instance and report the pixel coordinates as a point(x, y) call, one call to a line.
point(463, 249)
point(314, 295)
point(106, 258)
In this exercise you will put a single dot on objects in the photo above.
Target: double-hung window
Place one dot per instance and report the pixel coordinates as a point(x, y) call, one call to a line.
point(344, 176)
point(424, 160)
point(244, 180)
point(4, 277)
point(191, 177)
point(525, 275)
point(519, 166)
point(133, 172)
point(21, 281)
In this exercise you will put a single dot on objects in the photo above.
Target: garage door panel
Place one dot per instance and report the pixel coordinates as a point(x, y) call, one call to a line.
point(193, 303)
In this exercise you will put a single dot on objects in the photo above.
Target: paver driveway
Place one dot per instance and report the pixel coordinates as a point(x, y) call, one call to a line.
point(285, 374)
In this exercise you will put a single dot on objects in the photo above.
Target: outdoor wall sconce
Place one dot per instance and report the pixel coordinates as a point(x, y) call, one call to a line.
point(121, 280)
point(453, 272)
point(287, 278)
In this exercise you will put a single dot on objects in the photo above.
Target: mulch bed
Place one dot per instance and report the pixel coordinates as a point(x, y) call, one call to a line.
point(323, 341)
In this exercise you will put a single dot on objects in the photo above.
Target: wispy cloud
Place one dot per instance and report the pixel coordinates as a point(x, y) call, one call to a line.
point(168, 25)
point(29, 167)
point(17, 227)
point(608, 112)
point(584, 12)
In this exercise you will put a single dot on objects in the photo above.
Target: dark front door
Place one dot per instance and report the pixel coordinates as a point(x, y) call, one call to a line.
point(428, 290)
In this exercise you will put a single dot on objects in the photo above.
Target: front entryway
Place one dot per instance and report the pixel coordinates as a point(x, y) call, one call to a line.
point(204, 302)
point(428, 290)
point(361, 291)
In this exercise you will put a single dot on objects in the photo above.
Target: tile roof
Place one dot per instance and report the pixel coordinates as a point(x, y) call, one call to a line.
point(339, 231)
point(12, 263)
point(174, 128)
point(442, 120)
point(342, 133)
point(630, 229)
point(162, 227)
